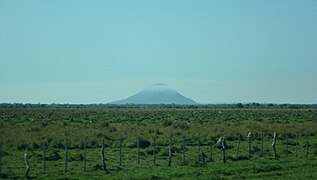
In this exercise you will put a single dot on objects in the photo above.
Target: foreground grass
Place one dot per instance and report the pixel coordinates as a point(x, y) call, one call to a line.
point(35, 127)
point(257, 167)
point(261, 168)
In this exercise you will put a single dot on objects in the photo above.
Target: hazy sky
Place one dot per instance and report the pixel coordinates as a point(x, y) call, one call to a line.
point(72, 51)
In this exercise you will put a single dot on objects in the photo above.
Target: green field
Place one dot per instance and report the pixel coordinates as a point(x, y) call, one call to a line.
point(193, 130)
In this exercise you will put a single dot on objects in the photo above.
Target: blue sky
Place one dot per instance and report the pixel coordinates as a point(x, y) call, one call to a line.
point(211, 51)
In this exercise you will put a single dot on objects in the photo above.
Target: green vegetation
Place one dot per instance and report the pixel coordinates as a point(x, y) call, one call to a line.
point(33, 127)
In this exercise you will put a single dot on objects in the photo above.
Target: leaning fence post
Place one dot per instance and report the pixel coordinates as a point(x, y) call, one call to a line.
point(210, 158)
point(249, 137)
point(120, 160)
point(154, 150)
point(44, 158)
point(27, 163)
point(66, 155)
point(223, 143)
point(238, 146)
point(138, 144)
point(170, 151)
point(274, 145)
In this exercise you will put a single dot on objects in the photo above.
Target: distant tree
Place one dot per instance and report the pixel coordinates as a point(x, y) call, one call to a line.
point(239, 105)
point(255, 104)
point(270, 105)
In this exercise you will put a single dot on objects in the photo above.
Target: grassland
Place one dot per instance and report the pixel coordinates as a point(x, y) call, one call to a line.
point(195, 128)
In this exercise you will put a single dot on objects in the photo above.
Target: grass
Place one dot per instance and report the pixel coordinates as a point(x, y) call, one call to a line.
point(294, 168)
point(52, 126)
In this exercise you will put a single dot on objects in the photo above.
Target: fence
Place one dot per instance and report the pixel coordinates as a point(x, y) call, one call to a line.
point(179, 149)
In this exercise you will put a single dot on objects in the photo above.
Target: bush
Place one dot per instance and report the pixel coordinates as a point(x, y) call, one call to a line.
point(53, 156)
point(22, 147)
point(143, 144)
point(35, 146)
point(167, 123)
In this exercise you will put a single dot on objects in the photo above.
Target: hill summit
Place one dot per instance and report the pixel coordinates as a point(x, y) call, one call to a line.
point(158, 93)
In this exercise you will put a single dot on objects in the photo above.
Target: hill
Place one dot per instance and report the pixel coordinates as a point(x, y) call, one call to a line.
point(157, 94)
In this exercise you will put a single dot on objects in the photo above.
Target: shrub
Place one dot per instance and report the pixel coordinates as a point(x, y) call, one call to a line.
point(167, 123)
point(53, 156)
point(143, 144)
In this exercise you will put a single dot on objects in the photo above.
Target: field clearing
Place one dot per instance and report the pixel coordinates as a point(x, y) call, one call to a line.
point(192, 132)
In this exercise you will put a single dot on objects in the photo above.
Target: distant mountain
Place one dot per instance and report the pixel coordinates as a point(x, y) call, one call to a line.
point(157, 94)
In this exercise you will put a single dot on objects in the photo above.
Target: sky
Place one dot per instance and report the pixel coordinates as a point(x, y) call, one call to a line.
point(73, 51)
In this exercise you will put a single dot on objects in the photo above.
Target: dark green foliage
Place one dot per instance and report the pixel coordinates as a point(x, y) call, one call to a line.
point(261, 169)
point(239, 105)
point(53, 156)
point(157, 150)
point(143, 144)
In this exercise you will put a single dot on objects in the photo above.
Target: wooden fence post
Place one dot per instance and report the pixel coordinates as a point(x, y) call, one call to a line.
point(249, 137)
point(138, 144)
point(27, 163)
point(154, 150)
point(223, 144)
point(85, 154)
point(210, 158)
point(66, 155)
point(44, 158)
point(286, 142)
point(103, 159)
point(238, 146)
point(274, 145)
point(170, 151)
point(120, 160)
